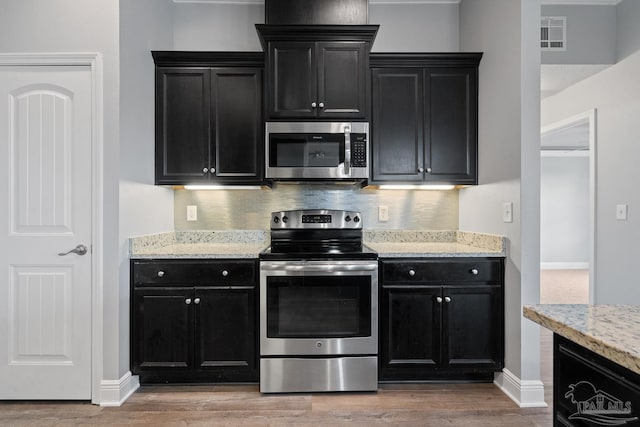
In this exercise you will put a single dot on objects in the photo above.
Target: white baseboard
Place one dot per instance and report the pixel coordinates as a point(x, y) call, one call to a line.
point(116, 392)
point(526, 394)
point(564, 266)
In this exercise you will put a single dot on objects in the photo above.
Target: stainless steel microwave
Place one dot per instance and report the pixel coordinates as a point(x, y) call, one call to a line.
point(317, 151)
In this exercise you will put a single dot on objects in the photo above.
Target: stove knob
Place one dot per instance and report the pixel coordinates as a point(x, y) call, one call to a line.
point(285, 219)
point(356, 219)
point(347, 218)
point(276, 220)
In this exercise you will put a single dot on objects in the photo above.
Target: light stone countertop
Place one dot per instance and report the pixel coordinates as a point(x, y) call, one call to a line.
point(248, 244)
point(199, 244)
point(612, 331)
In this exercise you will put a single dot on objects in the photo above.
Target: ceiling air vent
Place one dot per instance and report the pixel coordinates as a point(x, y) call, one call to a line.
point(553, 33)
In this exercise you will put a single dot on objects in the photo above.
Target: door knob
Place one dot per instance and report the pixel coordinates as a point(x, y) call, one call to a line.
point(78, 250)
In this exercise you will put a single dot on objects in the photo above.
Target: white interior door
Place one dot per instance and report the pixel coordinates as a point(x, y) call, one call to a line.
point(45, 210)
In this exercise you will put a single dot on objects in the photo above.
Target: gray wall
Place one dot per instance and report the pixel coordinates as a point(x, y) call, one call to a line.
point(144, 208)
point(507, 31)
point(250, 209)
point(200, 26)
point(564, 210)
point(86, 26)
point(415, 27)
point(614, 92)
point(591, 35)
point(628, 35)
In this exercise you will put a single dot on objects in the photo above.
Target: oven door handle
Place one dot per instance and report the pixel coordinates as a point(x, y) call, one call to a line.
point(322, 268)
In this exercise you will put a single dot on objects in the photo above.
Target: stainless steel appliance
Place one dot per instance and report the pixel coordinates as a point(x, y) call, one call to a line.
point(316, 151)
point(318, 304)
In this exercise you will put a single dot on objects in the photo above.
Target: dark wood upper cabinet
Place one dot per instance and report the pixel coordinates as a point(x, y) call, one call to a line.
point(209, 117)
point(425, 118)
point(317, 72)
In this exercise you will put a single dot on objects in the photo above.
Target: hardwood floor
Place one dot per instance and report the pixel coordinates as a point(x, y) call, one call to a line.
point(393, 405)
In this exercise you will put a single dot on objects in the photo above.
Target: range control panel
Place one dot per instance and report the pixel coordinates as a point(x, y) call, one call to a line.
point(316, 218)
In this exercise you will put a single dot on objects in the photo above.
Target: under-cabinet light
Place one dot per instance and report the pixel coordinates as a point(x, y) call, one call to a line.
point(416, 187)
point(222, 187)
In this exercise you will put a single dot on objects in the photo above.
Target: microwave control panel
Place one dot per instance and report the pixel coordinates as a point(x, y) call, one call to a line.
point(358, 150)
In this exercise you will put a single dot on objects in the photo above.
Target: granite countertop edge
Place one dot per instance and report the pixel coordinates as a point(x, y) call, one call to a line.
point(559, 318)
point(248, 244)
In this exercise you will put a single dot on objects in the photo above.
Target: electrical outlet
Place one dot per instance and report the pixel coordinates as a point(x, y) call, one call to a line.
point(383, 213)
point(621, 212)
point(507, 212)
point(192, 213)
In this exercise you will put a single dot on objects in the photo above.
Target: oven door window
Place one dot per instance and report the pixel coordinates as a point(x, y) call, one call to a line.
point(318, 307)
point(306, 150)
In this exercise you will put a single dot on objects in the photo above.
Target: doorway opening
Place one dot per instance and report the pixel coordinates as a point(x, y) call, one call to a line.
point(567, 210)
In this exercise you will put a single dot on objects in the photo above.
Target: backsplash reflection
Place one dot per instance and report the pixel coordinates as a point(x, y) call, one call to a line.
point(250, 209)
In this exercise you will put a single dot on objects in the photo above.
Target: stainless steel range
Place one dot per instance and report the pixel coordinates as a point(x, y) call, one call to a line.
point(318, 304)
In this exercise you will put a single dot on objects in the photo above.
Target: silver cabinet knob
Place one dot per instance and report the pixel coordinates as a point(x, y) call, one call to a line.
point(447, 299)
point(420, 170)
point(78, 250)
point(412, 273)
point(474, 271)
point(428, 170)
point(187, 301)
point(225, 273)
point(439, 299)
point(313, 105)
point(196, 301)
point(160, 273)
point(321, 105)
point(213, 170)
point(205, 170)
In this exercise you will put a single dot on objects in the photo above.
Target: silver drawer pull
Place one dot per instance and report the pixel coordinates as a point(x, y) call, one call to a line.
point(439, 299)
point(196, 301)
point(447, 299)
point(160, 273)
point(225, 273)
point(412, 273)
point(474, 271)
point(187, 301)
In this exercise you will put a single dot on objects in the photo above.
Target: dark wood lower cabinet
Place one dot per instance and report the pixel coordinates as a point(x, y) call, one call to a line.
point(589, 390)
point(432, 328)
point(186, 333)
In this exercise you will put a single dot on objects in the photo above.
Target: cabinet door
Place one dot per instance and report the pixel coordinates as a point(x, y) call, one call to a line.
point(410, 331)
point(472, 327)
point(237, 124)
point(342, 80)
point(292, 85)
point(226, 331)
point(162, 329)
point(451, 125)
point(183, 111)
point(397, 132)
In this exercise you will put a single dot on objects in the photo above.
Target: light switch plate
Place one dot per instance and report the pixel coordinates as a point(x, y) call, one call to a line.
point(192, 213)
point(507, 212)
point(621, 212)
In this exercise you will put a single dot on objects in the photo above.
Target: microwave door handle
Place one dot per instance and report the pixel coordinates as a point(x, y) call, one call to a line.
point(347, 150)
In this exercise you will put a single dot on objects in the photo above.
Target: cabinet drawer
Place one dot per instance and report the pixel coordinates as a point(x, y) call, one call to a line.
point(190, 273)
point(440, 271)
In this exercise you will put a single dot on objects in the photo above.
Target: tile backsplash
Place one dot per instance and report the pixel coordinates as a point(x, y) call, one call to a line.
point(251, 209)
